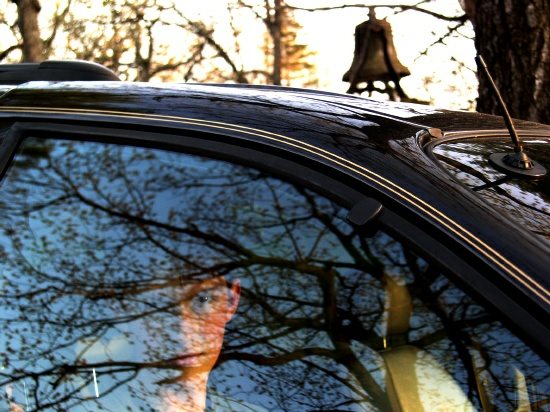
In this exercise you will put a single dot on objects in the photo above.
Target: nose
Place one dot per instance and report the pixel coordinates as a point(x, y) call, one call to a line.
point(190, 326)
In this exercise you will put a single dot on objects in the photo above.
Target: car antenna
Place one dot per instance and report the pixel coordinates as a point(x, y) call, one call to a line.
point(517, 163)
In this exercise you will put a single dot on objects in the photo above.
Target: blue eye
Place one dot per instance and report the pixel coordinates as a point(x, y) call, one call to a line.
point(201, 302)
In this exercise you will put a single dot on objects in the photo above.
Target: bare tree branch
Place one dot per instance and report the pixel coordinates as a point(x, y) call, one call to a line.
point(201, 30)
point(57, 21)
point(6, 52)
point(402, 7)
point(441, 39)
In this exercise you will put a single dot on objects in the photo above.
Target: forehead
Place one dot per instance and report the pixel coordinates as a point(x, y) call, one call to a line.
point(191, 287)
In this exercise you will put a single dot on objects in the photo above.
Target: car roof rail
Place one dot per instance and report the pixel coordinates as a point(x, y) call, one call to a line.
point(55, 70)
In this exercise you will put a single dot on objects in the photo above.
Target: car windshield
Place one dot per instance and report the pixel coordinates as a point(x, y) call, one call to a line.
point(524, 201)
point(140, 279)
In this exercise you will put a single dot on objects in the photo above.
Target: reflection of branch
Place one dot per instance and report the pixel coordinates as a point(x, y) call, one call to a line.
point(172, 252)
point(441, 334)
point(279, 209)
point(69, 395)
point(39, 206)
point(487, 183)
point(345, 240)
point(458, 337)
point(348, 359)
point(193, 231)
point(342, 345)
point(189, 230)
point(478, 370)
point(334, 375)
point(62, 370)
point(279, 359)
point(254, 339)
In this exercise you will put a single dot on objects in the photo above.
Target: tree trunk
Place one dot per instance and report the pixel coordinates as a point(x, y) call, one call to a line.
point(27, 12)
point(513, 36)
point(277, 42)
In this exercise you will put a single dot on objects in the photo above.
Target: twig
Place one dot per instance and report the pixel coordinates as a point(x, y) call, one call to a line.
point(5, 53)
point(440, 39)
point(403, 7)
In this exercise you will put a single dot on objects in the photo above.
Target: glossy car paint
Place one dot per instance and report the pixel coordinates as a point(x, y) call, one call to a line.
point(375, 146)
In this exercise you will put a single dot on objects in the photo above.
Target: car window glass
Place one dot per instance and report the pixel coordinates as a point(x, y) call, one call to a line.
point(140, 279)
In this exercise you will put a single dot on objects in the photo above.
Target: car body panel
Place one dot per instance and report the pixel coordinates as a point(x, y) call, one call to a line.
point(374, 142)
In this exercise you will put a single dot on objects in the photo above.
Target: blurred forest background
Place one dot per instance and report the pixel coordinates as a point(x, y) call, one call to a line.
point(297, 43)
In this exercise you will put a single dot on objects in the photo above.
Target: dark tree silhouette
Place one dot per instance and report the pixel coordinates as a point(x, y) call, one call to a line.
point(514, 39)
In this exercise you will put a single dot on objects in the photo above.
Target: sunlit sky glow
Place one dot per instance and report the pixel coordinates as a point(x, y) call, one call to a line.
point(445, 76)
point(436, 77)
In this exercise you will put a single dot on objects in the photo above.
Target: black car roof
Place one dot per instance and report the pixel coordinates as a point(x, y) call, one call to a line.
point(54, 70)
point(151, 97)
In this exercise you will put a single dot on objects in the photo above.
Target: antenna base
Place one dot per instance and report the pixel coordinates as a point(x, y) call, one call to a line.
point(518, 164)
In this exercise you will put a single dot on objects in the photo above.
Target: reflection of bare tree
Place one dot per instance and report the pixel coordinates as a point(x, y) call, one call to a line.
point(524, 200)
point(99, 243)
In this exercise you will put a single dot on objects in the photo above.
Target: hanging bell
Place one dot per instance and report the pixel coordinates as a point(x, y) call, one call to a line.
point(374, 57)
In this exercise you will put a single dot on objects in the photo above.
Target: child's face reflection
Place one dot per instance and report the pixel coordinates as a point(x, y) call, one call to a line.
point(205, 309)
